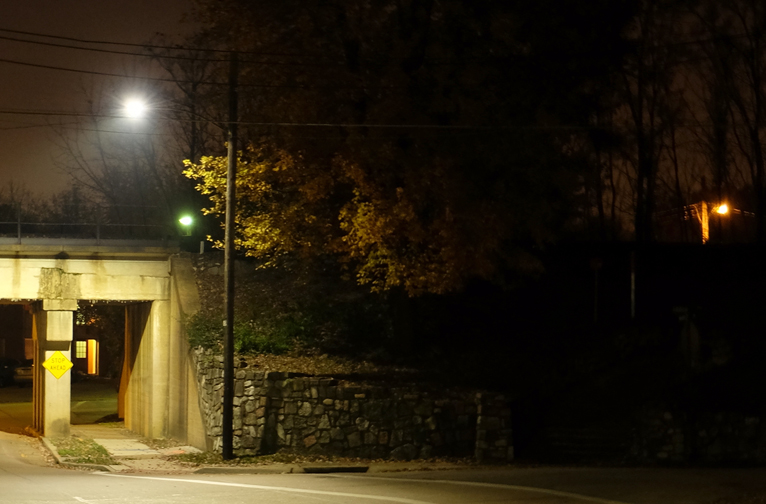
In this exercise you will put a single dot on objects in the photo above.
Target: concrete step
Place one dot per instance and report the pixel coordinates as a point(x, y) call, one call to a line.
point(127, 449)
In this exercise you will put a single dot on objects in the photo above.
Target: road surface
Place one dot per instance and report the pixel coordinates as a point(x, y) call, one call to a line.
point(27, 478)
point(92, 400)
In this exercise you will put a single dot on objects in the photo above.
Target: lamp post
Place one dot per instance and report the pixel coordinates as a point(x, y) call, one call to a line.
point(227, 435)
point(134, 109)
point(702, 211)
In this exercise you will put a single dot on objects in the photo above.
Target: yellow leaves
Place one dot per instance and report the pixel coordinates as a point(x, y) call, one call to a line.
point(416, 230)
point(281, 205)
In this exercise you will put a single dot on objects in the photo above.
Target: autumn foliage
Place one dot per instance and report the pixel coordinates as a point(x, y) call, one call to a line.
point(426, 235)
point(418, 143)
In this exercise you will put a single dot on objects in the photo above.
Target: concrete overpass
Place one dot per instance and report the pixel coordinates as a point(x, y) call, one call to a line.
point(158, 394)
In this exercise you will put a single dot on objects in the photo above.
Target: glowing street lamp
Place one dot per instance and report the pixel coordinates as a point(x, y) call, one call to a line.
point(702, 211)
point(135, 108)
point(186, 222)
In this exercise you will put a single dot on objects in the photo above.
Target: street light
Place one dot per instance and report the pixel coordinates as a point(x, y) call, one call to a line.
point(186, 222)
point(135, 108)
point(702, 211)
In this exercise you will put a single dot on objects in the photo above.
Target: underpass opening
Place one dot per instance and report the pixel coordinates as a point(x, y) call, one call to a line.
point(152, 285)
point(16, 354)
point(96, 353)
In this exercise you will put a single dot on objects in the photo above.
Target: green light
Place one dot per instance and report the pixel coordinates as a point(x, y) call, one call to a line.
point(185, 220)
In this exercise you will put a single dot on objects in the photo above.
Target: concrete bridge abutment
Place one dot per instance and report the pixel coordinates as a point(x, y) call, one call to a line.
point(51, 332)
point(158, 395)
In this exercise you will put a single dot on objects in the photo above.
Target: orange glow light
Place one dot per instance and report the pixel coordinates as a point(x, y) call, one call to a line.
point(92, 356)
point(722, 209)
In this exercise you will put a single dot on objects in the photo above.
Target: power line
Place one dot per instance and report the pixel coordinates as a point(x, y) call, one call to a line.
point(201, 120)
point(143, 46)
point(103, 74)
point(181, 81)
point(109, 42)
point(175, 81)
point(158, 56)
point(302, 124)
point(95, 49)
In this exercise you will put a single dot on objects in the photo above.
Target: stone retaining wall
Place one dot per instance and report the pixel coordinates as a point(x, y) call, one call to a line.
point(290, 412)
point(671, 436)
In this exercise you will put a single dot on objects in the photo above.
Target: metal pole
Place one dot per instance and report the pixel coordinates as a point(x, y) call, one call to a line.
point(632, 285)
point(227, 435)
point(705, 222)
point(595, 296)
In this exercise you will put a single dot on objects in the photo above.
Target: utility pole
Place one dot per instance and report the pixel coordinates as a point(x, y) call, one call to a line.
point(227, 425)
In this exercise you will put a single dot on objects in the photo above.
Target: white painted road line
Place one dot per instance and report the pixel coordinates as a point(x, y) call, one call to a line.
point(520, 488)
point(273, 488)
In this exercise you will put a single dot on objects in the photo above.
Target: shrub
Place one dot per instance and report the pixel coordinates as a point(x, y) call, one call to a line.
point(249, 336)
point(204, 331)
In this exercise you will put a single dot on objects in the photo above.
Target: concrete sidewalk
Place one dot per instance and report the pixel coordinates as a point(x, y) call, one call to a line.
point(133, 455)
point(126, 449)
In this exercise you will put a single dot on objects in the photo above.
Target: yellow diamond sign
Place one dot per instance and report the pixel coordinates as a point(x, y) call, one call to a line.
point(57, 364)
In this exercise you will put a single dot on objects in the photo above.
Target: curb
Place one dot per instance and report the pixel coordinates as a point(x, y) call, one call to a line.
point(282, 469)
point(327, 469)
point(71, 465)
point(52, 449)
point(270, 469)
point(273, 469)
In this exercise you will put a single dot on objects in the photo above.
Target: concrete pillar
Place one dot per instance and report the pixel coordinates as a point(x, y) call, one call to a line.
point(146, 372)
point(52, 331)
point(160, 368)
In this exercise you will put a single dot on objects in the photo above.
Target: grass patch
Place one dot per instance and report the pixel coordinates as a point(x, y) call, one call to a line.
point(160, 443)
point(82, 451)
point(204, 458)
point(210, 458)
point(276, 458)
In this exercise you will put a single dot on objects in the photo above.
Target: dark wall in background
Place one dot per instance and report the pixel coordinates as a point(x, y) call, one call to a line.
point(12, 330)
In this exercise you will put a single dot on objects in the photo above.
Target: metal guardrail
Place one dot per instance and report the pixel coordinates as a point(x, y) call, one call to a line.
point(99, 232)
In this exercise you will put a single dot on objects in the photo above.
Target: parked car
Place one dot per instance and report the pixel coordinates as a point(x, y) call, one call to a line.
point(7, 370)
point(23, 374)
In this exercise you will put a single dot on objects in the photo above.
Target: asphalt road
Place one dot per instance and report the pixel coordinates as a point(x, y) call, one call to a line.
point(92, 400)
point(26, 477)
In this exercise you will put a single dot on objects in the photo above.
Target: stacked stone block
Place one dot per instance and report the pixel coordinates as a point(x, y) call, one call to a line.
point(493, 428)
point(297, 413)
point(671, 436)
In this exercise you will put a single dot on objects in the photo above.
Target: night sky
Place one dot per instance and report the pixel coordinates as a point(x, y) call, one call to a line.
point(27, 144)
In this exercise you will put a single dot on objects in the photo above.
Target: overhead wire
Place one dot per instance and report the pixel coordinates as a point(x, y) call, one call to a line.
point(162, 79)
point(185, 81)
point(143, 46)
point(146, 47)
point(51, 113)
point(161, 56)
point(215, 83)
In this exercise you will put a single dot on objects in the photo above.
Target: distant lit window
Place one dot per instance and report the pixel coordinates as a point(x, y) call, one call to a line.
point(81, 349)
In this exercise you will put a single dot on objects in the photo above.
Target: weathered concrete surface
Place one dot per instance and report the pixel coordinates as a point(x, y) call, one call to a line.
point(91, 279)
point(158, 395)
point(52, 332)
point(184, 416)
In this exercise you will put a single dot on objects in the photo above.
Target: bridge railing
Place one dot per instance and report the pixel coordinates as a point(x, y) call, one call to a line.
point(96, 228)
